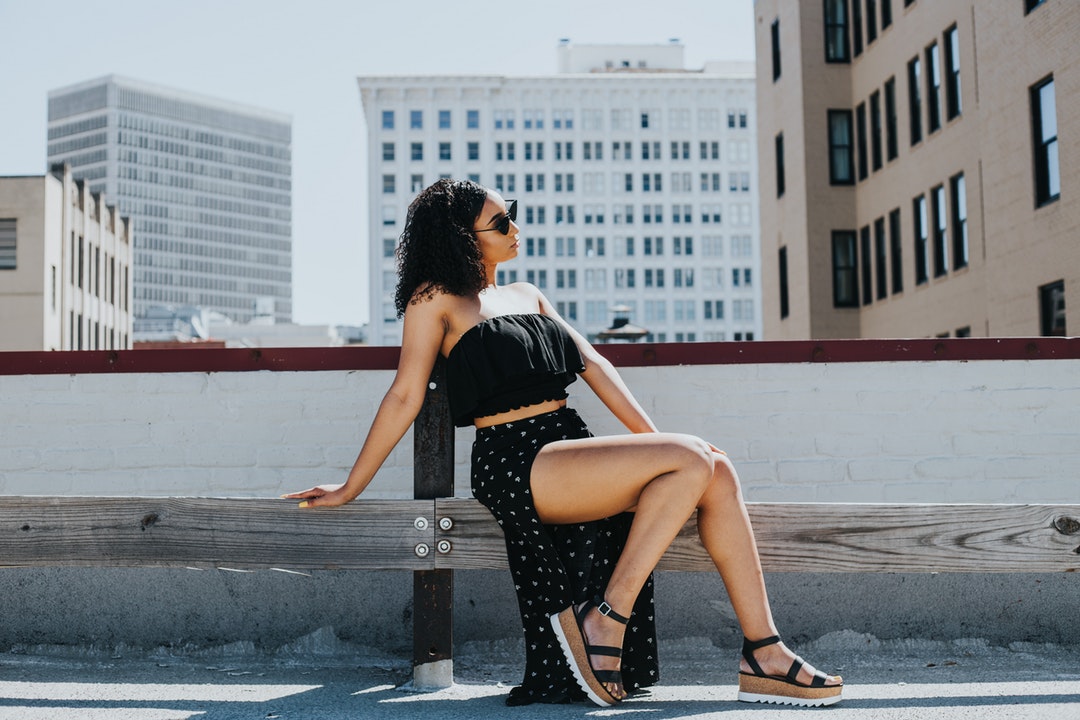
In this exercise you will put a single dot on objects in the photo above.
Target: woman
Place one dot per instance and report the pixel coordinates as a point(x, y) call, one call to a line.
point(545, 478)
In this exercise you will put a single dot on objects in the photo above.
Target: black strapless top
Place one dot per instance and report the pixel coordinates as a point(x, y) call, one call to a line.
point(507, 362)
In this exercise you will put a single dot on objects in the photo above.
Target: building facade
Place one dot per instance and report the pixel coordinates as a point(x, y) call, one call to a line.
point(207, 184)
point(913, 183)
point(65, 266)
point(635, 178)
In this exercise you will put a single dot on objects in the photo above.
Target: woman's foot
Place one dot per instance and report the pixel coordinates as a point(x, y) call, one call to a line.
point(603, 631)
point(771, 673)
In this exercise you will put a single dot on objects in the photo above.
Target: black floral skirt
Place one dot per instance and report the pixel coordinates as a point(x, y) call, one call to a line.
point(555, 565)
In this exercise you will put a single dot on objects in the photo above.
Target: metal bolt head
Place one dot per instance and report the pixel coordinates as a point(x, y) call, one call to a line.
point(445, 523)
point(421, 550)
point(420, 523)
point(444, 546)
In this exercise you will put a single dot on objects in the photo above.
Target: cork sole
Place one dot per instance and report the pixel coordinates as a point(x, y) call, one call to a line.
point(754, 688)
point(572, 643)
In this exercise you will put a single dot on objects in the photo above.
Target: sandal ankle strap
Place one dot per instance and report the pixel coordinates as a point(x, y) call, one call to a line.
point(749, 646)
point(606, 610)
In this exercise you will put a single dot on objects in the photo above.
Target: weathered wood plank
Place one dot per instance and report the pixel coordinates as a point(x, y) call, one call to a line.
point(813, 537)
point(208, 532)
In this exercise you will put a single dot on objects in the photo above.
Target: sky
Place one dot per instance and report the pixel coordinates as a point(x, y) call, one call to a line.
point(302, 58)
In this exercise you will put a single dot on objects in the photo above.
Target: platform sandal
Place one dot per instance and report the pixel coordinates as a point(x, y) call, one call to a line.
point(570, 630)
point(783, 690)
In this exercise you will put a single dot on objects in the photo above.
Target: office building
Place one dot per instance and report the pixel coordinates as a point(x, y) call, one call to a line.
point(912, 179)
point(65, 266)
point(635, 179)
point(206, 182)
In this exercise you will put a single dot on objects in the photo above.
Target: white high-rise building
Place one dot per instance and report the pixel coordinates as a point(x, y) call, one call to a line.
point(207, 184)
point(636, 182)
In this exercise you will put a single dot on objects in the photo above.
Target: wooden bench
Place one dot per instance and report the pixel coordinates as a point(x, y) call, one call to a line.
point(434, 534)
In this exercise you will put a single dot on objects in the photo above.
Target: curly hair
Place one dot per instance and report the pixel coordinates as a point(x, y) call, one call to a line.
point(438, 250)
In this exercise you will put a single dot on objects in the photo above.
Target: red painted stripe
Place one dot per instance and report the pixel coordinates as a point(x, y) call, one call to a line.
point(623, 355)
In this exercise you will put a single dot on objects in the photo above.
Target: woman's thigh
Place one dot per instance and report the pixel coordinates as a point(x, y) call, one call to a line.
point(597, 477)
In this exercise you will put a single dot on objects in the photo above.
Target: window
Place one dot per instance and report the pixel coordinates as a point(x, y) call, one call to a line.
point(875, 131)
point(1030, 5)
point(845, 280)
point(1044, 124)
point(416, 183)
point(841, 157)
point(891, 145)
point(860, 129)
point(886, 14)
point(416, 119)
point(941, 250)
point(896, 251)
point(836, 31)
point(388, 151)
point(953, 103)
point(880, 259)
point(958, 191)
point(867, 265)
point(388, 184)
point(416, 151)
point(387, 119)
point(472, 119)
point(473, 150)
point(914, 99)
point(784, 308)
point(780, 165)
point(856, 27)
point(1052, 309)
point(933, 88)
point(776, 49)
point(444, 151)
point(8, 246)
point(444, 119)
point(922, 267)
point(871, 20)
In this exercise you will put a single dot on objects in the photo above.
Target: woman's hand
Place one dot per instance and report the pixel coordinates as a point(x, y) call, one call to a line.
point(321, 496)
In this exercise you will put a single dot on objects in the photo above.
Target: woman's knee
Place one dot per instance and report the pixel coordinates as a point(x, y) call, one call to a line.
point(696, 458)
point(724, 478)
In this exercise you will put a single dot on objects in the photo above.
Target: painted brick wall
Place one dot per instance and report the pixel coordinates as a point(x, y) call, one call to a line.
point(977, 431)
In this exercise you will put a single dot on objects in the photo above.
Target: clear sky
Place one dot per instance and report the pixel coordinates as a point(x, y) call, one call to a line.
point(301, 58)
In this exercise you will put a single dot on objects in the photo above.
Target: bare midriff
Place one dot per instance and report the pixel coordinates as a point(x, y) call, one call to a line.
point(519, 413)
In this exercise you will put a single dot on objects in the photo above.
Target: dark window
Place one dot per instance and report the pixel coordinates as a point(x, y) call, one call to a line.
point(388, 151)
point(953, 102)
point(784, 306)
point(1030, 5)
point(472, 119)
point(841, 155)
point(896, 251)
point(964, 332)
point(881, 276)
point(1052, 309)
point(875, 130)
point(1044, 124)
point(856, 27)
point(891, 145)
point(871, 21)
point(444, 151)
point(914, 70)
point(387, 119)
point(922, 269)
point(941, 236)
point(776, 49)
point(860, 128)
point(845, 279)
point(836, 31)
point(886, 14)
point(933, 88)
point(867, 265)
point(416, 119)
point(780, 165)
point(8, 245)
point(416, 151)
point(958, 190)
point(473, 150)
point(444, 119)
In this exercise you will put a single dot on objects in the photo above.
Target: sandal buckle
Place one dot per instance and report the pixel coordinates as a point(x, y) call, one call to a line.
point(604, 609)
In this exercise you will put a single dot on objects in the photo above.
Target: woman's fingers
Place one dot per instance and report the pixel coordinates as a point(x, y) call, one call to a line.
point(716, 449)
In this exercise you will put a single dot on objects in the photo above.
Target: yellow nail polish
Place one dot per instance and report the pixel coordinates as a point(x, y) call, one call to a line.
point(304, 504)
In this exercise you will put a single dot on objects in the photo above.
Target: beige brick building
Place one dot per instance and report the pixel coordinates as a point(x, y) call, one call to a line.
point(65, 266)
point(912, 179)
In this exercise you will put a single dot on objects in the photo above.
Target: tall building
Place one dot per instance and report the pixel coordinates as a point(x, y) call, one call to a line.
point(65, 266)
point(912, 184)
point(636, 181)
point(207, 183)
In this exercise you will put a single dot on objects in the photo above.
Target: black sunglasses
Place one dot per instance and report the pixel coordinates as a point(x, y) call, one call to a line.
point(503, 223)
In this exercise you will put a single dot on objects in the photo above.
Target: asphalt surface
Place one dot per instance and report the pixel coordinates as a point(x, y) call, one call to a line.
point(906, 679)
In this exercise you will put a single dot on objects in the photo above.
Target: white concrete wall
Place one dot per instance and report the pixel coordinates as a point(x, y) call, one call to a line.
point(981, 431)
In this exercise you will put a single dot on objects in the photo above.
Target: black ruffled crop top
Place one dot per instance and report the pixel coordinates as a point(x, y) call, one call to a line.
point(507, 362)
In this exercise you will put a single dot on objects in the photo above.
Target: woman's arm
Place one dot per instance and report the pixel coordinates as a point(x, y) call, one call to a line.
point(604, 380)
point(422, 336)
